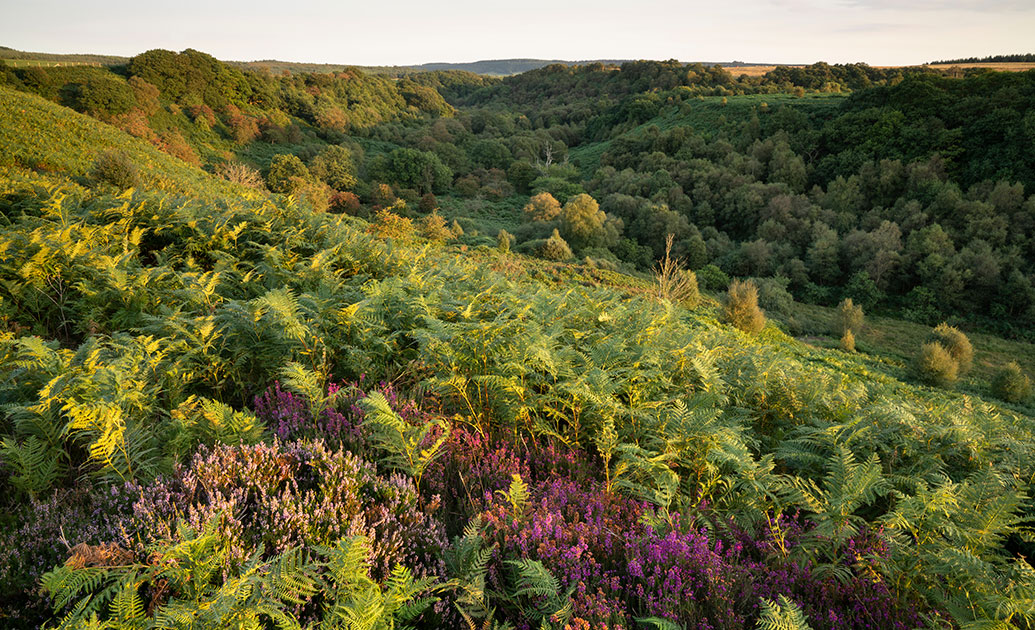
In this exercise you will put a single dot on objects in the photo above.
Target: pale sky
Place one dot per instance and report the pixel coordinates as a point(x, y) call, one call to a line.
point(405, 32)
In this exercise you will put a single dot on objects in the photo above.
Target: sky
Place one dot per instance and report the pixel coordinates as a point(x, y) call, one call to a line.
point(408, 32)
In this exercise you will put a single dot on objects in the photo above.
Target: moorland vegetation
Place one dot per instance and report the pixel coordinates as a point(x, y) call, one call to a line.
point(350, 351)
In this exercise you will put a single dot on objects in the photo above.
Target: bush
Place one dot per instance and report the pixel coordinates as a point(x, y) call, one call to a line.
point(104, 95)
point(287, 174)
point(428, 203)
point(242, 174)
point(849, 316)
point(116, 168)
point(935, 365)
point(334, 166)
point(555, 248)
point(956, 343)
point(713, 278)
point(741, 307)
point(434, 228)
point(504, 240)
point(390, 225)
point(346, 202)
point(34, 545)
point(1011, 383)
point(773, 295)
point(282, 496)
point(542, 207)
point(848, 341)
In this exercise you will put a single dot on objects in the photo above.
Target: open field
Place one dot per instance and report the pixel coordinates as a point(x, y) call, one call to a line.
point(752, 71)
point(999, 67)
point(757, 71)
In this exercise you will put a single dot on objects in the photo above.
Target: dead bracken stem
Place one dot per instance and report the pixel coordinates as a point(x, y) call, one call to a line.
point(672, 281)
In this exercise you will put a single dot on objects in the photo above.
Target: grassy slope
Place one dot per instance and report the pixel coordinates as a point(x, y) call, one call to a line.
point(43, 136)
point(894, 344)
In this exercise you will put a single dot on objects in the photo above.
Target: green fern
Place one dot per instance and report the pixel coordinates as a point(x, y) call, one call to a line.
point(355, 602)
point(34, 464)
point(516, 495)
point(408, 448)
point(783, 614)
point(538, 594)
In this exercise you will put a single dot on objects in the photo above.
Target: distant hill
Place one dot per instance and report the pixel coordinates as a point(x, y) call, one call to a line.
point(10, 54)
point(507, 67)
point(489, 67)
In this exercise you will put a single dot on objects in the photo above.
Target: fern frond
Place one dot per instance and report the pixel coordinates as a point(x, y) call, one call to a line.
point(781, 615)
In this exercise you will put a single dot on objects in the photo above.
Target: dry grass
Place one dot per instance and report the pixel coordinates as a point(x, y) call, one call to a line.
point(999, 67)
point(751, 71)
point(757, 71)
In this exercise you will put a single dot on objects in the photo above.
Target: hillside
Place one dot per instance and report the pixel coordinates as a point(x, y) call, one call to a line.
point(231, 406)
point(41, 136)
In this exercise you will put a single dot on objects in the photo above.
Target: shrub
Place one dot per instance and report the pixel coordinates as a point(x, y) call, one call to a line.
point(243, 128)
point(242, 174)
point(584, 224)
point(503, 241)
point(542, 207)
point(469, 473)
point(434, 228)
point(773, 295)
point(334, 166)
point(848, 341)
point(291, 417)
point(390, 225)
point(104, 95)
point(741, 307)
point(713, 278)
point(700, 572)
point(173, 143)
point(116, 168)
point(135, 124)
point(287, 174)
point(555, 248)
point(936, 366)
point(957, 345)
point(383, 195)
point(346, 202)
point(579, 535)
point(283, 496)
point(318, 194)
point(1011, 383)
point(34, 545)
point(467, 186)
point(849, 316)
point(428, 203)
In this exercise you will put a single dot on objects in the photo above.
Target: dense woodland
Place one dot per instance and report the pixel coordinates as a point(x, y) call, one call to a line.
point(340, 350)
